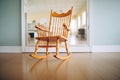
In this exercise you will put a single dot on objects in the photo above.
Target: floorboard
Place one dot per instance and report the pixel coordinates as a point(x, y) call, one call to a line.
point(81, 66)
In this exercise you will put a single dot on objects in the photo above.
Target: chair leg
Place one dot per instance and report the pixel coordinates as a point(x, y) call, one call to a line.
point(36, 47)
point(47, 48)
point(34, 55)
point(57, 53)
point(66, 46)
point(57, 47)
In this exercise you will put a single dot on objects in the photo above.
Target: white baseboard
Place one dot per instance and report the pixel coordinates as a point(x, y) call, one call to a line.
point(106, 48)
point(71, 49)
point(18, 49)
point(10, 49)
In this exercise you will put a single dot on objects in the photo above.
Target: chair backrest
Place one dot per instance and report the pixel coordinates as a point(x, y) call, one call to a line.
point(57, 20)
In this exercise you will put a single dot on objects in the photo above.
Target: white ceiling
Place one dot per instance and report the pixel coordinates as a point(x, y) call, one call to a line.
point(44, 6)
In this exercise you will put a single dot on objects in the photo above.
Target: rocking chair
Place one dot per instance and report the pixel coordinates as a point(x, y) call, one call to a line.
point(57, 32)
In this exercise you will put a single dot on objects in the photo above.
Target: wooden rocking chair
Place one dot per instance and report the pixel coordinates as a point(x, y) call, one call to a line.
point(57, 32)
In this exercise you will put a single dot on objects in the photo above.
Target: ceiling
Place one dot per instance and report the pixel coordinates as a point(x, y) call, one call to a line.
point(45, 6)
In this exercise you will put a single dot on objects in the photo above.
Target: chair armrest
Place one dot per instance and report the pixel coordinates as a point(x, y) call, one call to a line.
point(66, 27)
point(41, 28)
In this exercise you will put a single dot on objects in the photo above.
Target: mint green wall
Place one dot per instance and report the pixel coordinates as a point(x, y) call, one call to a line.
point(10, 23)
point(105, 22)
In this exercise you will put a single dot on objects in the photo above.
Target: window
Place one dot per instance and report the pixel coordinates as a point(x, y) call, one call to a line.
point(84, 18)
point(73, 26)
point(79, 21)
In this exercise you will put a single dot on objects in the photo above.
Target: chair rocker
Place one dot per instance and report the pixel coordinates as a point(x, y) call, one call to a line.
point(57, 32)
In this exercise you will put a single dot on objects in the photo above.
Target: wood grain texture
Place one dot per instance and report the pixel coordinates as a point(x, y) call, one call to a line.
point(81, 66)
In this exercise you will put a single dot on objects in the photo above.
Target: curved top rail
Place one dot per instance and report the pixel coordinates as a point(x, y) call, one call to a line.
point(55, 14)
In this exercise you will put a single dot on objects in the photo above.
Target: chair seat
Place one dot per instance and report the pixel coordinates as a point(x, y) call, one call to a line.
point(52, 38)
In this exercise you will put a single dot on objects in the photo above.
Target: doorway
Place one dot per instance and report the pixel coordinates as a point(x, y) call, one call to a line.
point(37, 11)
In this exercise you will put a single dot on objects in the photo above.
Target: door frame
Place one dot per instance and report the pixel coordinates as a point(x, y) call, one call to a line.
point(71, 48)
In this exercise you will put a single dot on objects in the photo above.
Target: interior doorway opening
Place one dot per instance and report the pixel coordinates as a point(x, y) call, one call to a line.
point(79, 34)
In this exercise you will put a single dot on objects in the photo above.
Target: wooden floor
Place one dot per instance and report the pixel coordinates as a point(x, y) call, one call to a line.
point(81, 66)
